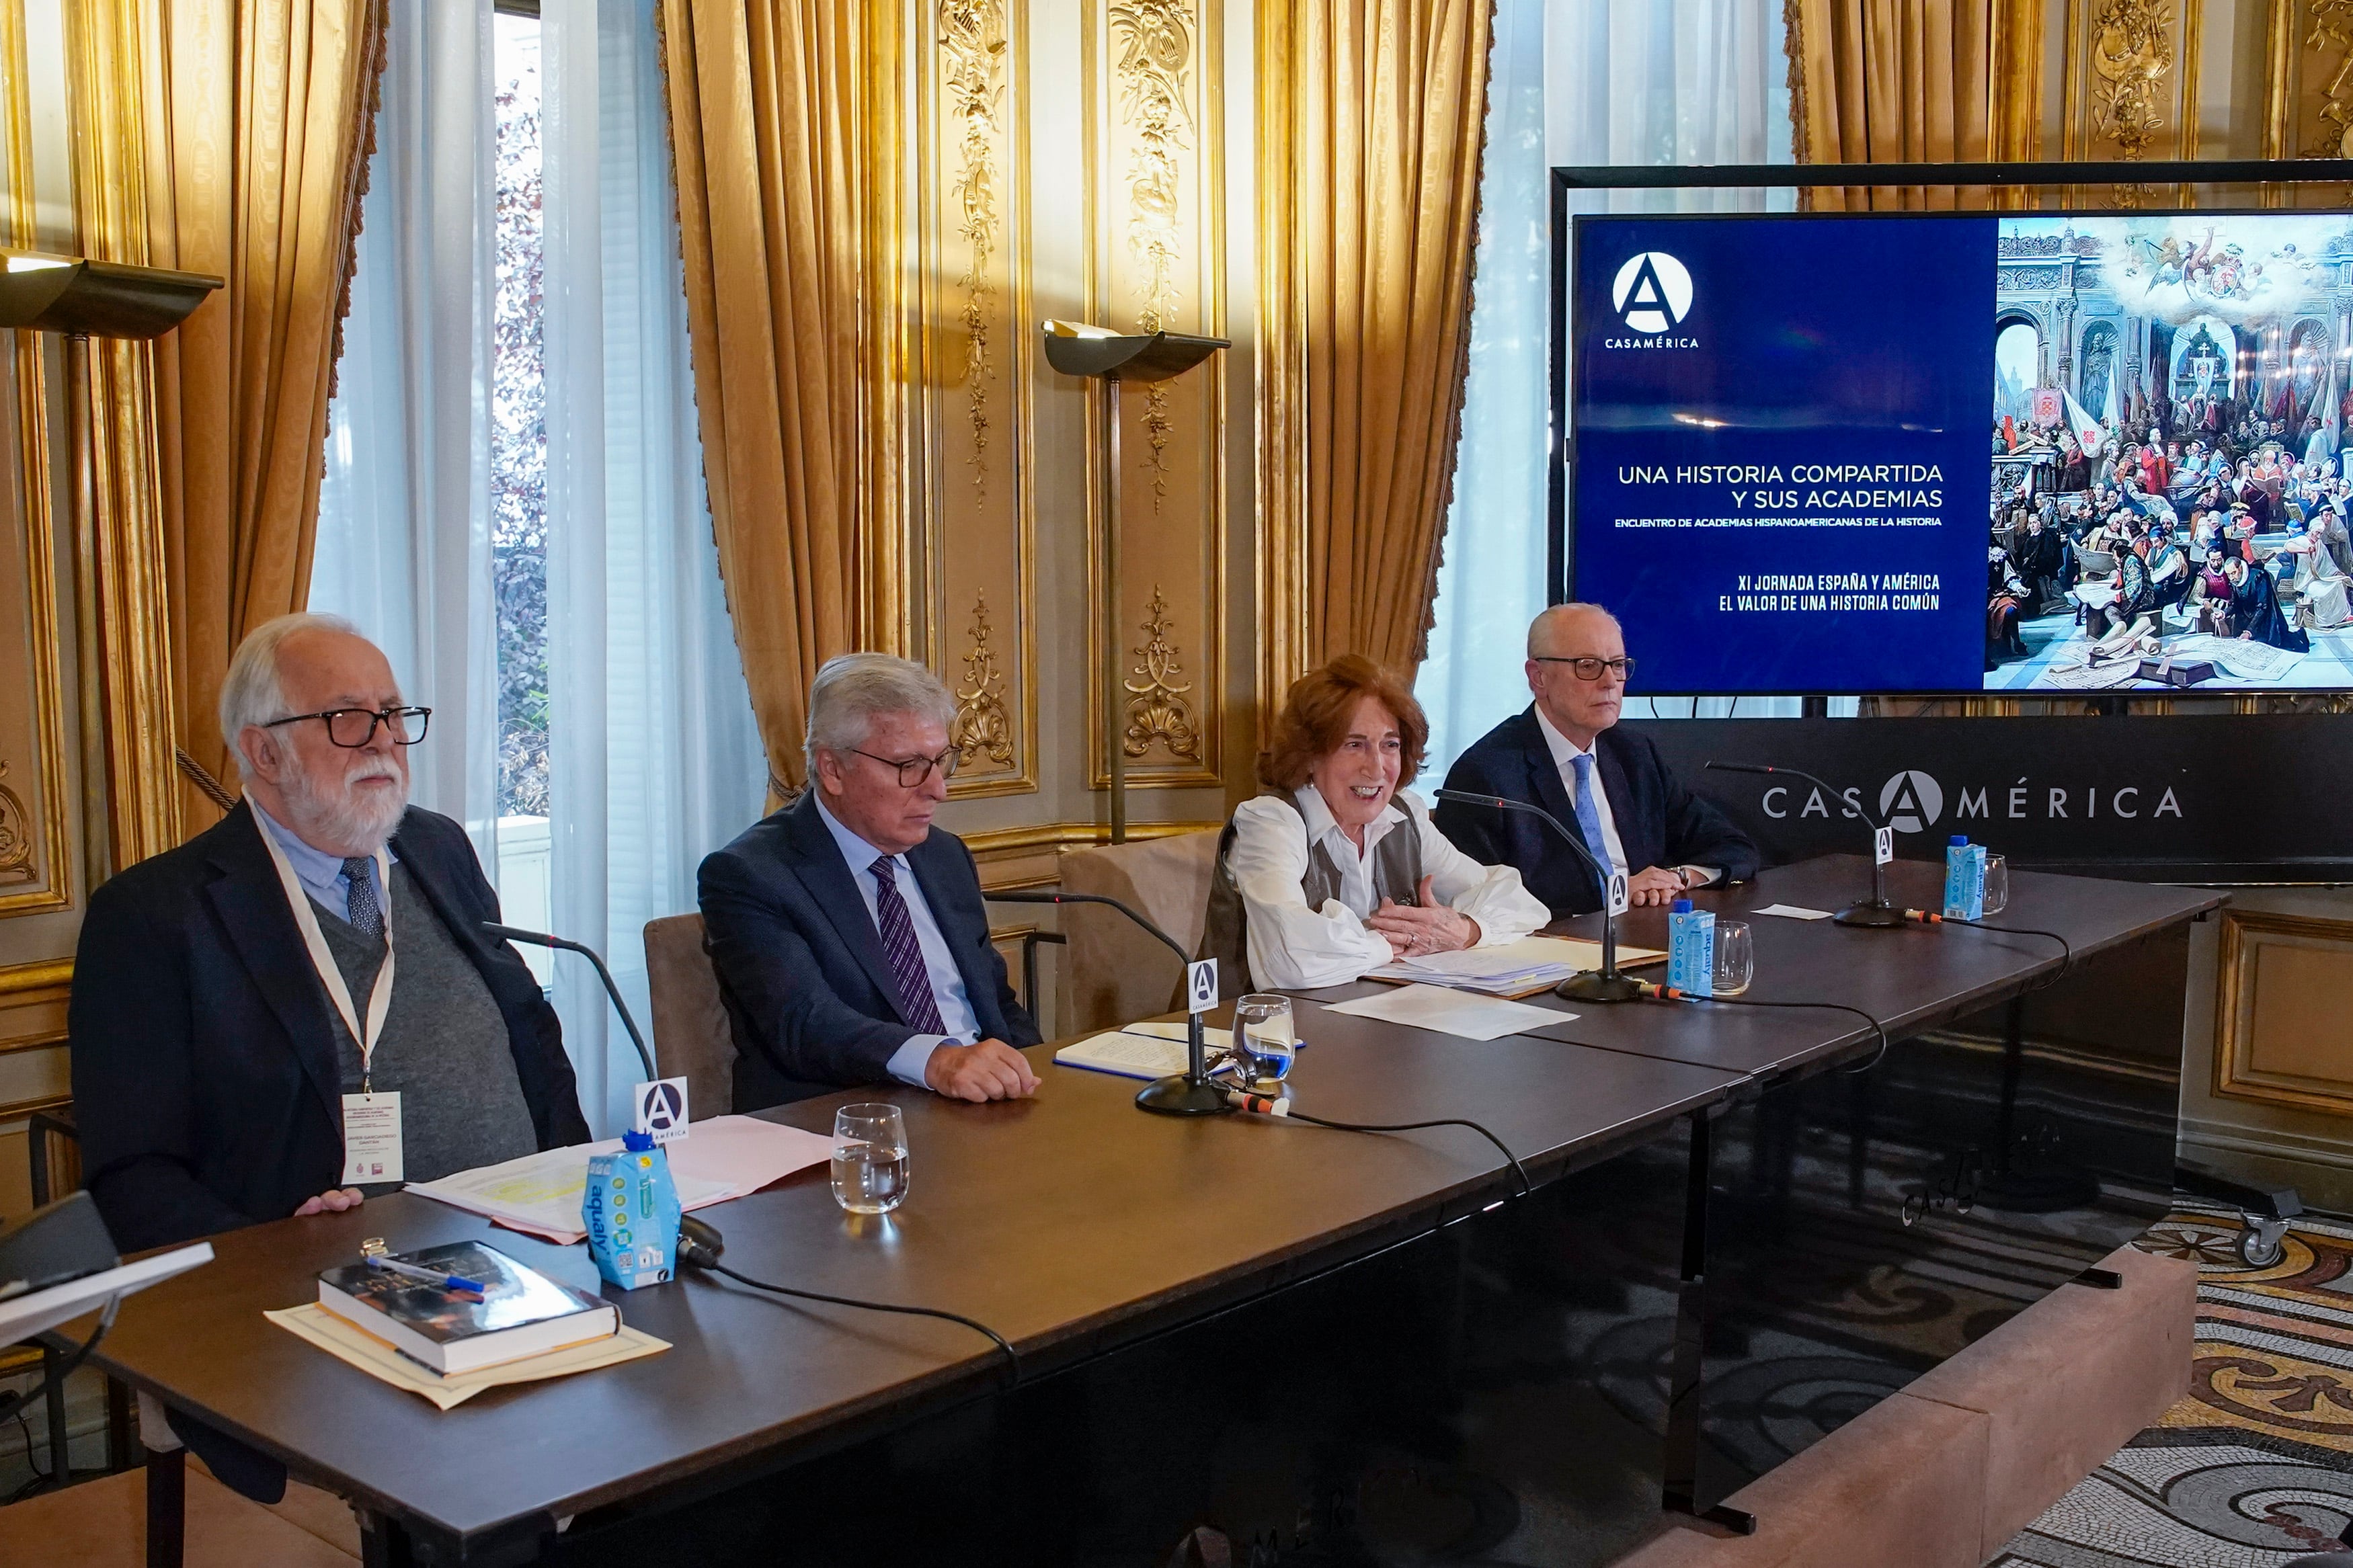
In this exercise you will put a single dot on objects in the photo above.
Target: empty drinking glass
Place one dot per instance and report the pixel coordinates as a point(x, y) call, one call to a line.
point(1262, 1035)
point(1996, 886)
point(870, 1158)
point(1735, 958)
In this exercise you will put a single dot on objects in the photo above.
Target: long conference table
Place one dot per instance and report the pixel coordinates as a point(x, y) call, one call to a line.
point(1740, 1211)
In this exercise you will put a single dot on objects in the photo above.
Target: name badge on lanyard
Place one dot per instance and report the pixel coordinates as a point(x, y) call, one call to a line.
point(372, 1150)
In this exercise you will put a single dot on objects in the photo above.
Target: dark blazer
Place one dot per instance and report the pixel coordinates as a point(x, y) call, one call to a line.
point(809, 993)
point(1659, 822)
point(204, 1073)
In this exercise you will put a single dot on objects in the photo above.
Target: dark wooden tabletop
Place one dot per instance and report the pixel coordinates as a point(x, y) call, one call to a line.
point(1910, 977)
point(1072, 1222)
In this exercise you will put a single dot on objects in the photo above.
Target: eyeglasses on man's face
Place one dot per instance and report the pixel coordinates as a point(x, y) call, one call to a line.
point(353, 728)
point(1590, 668)
point(913, 770)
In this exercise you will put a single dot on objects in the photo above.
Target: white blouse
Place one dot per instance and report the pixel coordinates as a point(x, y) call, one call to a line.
point(1295, 948)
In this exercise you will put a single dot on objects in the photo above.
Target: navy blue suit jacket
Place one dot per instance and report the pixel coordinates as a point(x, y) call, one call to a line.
point(1659, 822)
point(205, 1075)
point(808, 990)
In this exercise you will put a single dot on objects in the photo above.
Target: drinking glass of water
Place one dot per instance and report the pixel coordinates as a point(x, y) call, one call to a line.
point(1996, 887)
point(1262, 1034)
point(870, 1158)
point(1735, 958)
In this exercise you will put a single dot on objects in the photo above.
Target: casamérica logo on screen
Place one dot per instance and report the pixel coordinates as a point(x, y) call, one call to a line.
point(1651, 295)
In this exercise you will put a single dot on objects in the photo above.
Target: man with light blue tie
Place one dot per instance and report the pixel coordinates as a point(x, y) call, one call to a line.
point(1565, 754)
point(849, 933)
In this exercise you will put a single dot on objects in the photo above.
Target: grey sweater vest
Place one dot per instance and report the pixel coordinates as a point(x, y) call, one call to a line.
point(1224, 932)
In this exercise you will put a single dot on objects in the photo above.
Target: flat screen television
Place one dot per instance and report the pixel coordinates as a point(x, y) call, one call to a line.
point(2016, 452)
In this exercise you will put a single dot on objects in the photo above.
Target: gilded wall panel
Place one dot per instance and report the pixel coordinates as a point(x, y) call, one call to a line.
point(2281, 1033)
point(2308, 110)
point(975, 423)
point(1155, 79)
point(2130, 90)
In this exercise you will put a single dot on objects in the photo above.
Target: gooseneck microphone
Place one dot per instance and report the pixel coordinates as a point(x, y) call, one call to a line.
point(1189, 1093)
point(1605, 984)
point(542, 939)
point(1875, 911)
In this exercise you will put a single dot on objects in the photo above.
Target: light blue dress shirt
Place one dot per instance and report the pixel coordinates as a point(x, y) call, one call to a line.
point(322, 874)
point(907, 1063)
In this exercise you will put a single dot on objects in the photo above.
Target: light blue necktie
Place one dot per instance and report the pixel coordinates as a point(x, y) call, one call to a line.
point(1589, 817)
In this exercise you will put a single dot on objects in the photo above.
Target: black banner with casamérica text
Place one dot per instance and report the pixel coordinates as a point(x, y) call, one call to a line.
point(2204, 798)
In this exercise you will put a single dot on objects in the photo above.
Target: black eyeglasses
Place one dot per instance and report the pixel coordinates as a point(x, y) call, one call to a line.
point(913, 770)
point(353, 728)
point(1590, 668)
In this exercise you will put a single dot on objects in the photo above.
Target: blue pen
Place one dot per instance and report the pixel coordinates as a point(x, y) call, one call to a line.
point(453, 1282)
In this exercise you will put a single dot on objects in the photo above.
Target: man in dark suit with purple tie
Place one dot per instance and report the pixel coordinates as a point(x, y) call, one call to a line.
point(849, 936)
point(1613, 789)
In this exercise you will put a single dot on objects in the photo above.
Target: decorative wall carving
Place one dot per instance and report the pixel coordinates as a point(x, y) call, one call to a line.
point(2330, 37)
point(1155, 77)
point(1157, 708)
point(970, 353)
point(983, 727)
point(2131, 89)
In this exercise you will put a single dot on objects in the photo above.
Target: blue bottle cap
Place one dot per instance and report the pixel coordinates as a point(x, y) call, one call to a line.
point(1682, 907)
point(636, 1142)
point(1960, 840)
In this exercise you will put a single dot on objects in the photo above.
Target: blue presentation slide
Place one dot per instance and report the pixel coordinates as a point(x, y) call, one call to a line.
point(1779, 448)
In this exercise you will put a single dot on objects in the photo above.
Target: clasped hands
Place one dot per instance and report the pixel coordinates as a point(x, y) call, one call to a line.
point(1422, 927)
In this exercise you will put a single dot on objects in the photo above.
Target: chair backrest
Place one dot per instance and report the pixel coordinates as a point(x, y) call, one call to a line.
point(1113, 973)
point(692, 1036)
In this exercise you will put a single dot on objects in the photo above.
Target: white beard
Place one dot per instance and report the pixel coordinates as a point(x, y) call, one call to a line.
point(339, 812)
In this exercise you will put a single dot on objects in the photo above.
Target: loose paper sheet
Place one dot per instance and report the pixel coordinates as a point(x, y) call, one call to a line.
point(1459, 1013)
point(347, 1342)
point(1793, 912)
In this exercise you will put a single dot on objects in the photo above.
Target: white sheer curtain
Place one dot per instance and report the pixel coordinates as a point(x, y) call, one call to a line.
point(655, 757)
point(404, 540)
point(1572, 82)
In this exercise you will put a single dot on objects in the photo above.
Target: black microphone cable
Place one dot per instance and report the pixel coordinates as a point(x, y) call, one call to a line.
point(1669, 994)
point(1263, 1105)
point(700, 1244)
point(2066, 952)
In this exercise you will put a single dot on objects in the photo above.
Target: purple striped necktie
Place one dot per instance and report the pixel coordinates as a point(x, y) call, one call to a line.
point(916, 1003)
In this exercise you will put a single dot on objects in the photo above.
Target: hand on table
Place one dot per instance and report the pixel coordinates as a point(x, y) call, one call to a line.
point(990, 1071)
point(334, 1200)
point(1423, 927)
point(1653, 885)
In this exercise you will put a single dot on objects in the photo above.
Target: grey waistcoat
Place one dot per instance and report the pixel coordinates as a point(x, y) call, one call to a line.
point(445, 1045)
point(1224, 932)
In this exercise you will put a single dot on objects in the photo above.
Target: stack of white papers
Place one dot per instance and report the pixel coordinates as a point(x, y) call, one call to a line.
point(1518, 968)
point(1450, 1013)
point(540, 1194)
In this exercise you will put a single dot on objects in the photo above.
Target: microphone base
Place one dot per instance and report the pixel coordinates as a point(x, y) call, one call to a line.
point(1180, 1096)
point(1869, 914)
point(1595, 986)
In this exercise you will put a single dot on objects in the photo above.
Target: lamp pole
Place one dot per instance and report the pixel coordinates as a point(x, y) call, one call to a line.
point(1098, 354)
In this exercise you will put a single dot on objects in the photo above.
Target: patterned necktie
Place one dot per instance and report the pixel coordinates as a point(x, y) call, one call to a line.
point(1589, 816)
point(366, 914)
point(920, 1007)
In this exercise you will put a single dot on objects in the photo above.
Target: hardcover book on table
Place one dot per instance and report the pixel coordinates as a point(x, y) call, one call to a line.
point(522, 1312)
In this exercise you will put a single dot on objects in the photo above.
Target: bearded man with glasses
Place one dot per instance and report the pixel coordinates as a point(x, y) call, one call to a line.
point(1611, 788)
point(847, 931)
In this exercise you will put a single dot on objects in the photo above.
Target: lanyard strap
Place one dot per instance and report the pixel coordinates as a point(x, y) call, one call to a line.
point(331, 975)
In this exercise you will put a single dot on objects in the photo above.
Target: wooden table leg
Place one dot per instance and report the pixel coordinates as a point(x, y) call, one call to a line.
point(167, 1506)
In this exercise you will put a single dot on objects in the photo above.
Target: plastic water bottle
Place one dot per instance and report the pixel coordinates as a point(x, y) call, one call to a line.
point(1690, 949)
point(630, 1212)
point(1964, 879)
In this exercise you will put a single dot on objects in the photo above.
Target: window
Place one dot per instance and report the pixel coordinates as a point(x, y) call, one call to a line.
point(519, 420)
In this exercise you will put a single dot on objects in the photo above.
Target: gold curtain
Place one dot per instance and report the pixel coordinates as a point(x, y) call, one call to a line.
point(767, 122)
point(1374, 116)
point(261, 123)
point(1900, 81)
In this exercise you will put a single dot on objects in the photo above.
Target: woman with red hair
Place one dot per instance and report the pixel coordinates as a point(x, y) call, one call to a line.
point(1337, 870)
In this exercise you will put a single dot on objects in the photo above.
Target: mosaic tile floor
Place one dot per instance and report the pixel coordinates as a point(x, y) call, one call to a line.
point(2254, 1466)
